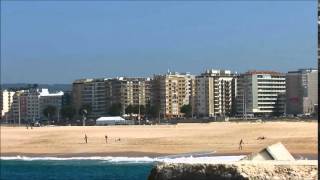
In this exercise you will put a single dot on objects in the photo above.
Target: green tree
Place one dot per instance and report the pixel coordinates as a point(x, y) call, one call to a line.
point(68, 112)
point(49, 112)
point(115, 109)
point(154, 111)
point(136, 109)
point(142, 109)
point(129, 109)
point(186, 109)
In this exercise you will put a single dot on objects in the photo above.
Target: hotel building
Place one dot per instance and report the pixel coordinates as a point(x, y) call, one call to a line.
point(261, 93)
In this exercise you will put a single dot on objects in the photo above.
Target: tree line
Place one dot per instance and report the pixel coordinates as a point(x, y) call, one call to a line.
point(68, 112)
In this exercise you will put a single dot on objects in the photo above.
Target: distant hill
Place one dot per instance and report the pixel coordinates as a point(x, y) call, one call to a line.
point(51, 87)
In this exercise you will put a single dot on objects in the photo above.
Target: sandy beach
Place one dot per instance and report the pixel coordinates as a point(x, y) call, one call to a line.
point(156, 140)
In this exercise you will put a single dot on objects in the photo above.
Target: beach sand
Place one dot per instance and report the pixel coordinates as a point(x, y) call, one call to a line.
point(157, 140)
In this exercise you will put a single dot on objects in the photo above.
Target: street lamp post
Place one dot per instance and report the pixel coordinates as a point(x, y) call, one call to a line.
point(84, 113)
point(19, 110)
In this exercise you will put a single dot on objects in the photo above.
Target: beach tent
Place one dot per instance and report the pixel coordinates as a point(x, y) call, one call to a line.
point(113, 120)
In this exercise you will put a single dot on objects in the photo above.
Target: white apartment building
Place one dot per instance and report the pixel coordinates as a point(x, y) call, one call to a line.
point(261, 93)
point(7, 101)
point(214, 93)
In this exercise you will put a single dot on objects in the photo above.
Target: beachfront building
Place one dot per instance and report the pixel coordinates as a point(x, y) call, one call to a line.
point(302, 91)
point(261, 93)
point(100, 94)
point(171, 91)
point(90, 94)
point(214, 93)
point(127, 91)
point(7, 100)
point(50, 99)
point(28, 105)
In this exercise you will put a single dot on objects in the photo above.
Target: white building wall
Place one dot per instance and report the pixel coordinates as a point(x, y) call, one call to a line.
point(7, 99)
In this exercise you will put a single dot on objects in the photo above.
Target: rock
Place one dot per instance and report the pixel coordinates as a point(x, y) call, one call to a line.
point(241, 170)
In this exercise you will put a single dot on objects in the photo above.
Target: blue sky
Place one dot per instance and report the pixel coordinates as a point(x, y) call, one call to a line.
point(58, 42)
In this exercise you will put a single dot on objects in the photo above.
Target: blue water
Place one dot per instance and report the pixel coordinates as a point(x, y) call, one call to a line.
point(73, 169)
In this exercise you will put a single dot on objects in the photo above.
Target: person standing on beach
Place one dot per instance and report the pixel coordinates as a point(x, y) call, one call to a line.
point(240, 144)
point(86, 138)
point(106, 137)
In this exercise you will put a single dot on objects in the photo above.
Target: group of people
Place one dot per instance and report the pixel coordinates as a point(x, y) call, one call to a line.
point(105, 137)
point(118, 139)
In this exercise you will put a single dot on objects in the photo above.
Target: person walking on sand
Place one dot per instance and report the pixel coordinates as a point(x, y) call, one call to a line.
point(86, 138)
point(106, 137)
point(240, 144)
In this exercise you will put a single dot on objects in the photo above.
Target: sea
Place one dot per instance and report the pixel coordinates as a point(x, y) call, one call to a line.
point(85, 168)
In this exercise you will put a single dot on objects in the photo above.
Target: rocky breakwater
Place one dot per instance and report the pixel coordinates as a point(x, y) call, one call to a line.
point(242, 170)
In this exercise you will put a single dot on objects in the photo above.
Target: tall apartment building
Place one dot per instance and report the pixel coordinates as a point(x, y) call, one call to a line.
point(128, 91)
point(214, 93)
point(90, 92)
point(261, 93)
point(100, 94)
point(302, 91)
point(171, 91)
point(7, 101)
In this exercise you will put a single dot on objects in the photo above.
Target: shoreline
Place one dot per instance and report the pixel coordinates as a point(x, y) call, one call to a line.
point(309, 156)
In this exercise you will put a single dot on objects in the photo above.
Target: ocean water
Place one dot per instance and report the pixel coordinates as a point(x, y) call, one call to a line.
point(93, 168)
point(73, 169)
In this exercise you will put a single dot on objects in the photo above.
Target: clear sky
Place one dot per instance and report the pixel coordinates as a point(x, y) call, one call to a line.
point(58, 42)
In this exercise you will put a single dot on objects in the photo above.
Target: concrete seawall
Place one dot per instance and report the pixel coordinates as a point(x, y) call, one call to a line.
point(242, 170)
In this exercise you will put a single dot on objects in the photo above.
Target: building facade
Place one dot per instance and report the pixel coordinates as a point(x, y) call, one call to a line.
point(128, 91)
point(7, 101)
point(28, 105)
point(261, 93)
point(89, 93)
point(50, 99)
point(302, 91)
point(171, 91)
point(101, 94)
point(214, 93)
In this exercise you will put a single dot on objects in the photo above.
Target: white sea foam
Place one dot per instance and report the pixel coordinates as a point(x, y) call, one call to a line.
point(190, 159)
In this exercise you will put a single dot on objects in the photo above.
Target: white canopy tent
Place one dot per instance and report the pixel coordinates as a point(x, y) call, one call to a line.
point(113, 120)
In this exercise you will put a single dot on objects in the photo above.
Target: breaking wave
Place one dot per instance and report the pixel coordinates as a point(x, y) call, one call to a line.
point(189, 159)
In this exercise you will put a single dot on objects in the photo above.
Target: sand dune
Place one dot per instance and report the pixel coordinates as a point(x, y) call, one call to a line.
point(222, 137)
